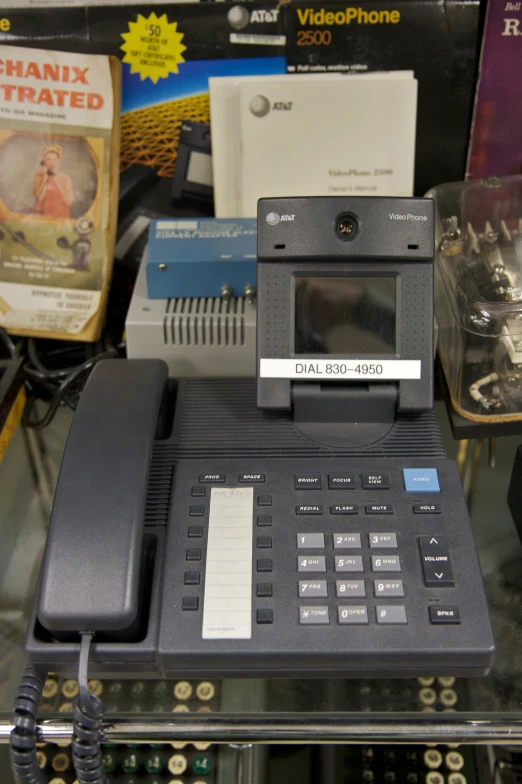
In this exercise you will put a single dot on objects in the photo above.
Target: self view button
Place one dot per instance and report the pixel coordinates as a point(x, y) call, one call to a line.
point(421, 480)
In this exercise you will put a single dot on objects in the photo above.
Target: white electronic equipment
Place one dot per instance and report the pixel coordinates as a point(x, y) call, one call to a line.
point(197, 336)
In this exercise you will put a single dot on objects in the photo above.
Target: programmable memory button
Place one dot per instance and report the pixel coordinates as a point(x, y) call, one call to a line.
point(210, 478)
point(305, 541)
point(421, 480)
point(426, 508)
point(198, 491)
point(314, 615)
point(443, 615)
point(341, 482)
point(251, 478)
point(314, 563)
point(388, 588)
point(264, 565)
point(307, 482)
point(344, 509)
point(309, 509)
point(352, 614)
point(348, 563)
point(436, 564)
point(264, 520)
point(378, 509)
point(386, 563)
point(347, 541)
point(386, 541)
point(391, 614)
point(317, 589)
point(375, 481)
point(350, 589)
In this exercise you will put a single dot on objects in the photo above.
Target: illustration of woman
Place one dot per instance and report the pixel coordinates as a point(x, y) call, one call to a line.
point(52, 190)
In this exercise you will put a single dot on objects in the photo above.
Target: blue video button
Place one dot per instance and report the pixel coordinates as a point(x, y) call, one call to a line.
point(421, 480)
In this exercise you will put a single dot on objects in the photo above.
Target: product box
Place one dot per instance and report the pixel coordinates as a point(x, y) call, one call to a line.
point(204, 257)
point(495, 146)
point(168, 52)
point(436, 40)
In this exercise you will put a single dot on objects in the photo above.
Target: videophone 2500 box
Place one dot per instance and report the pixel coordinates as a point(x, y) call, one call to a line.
point(170, 50)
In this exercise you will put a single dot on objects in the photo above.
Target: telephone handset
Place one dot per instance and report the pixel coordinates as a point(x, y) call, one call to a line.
point(91, 571)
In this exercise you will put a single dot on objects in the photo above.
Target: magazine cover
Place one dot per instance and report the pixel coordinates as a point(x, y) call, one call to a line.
point(495, 146)
point(58, 190)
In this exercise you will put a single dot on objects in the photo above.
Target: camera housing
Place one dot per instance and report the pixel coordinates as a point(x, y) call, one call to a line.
point(346, 226)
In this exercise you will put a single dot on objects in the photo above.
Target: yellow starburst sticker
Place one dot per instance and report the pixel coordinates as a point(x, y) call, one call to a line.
point(153, 47)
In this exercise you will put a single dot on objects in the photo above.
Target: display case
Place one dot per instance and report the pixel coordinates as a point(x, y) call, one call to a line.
point(478, 296)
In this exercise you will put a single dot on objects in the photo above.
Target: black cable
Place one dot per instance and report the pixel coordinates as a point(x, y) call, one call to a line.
point(22, 741)
point(62, 391)
point(87, 719)
point(5, 338)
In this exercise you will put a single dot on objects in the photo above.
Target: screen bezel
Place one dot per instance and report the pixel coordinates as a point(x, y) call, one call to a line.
point(338, 274)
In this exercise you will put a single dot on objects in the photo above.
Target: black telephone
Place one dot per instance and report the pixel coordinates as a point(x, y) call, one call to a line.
point(317, 531)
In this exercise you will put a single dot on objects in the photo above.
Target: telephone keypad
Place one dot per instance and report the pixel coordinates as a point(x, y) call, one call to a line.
point(373, 556)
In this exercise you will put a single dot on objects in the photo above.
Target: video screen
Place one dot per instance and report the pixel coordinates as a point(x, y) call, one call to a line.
point(348, 315)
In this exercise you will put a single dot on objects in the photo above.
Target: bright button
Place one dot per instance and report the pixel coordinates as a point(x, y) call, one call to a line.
point(421, 480)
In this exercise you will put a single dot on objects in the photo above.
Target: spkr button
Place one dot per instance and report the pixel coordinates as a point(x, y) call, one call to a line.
point(307, 482)
point(421, 480)
point(375, 481)
point(443, 615)
point(341, 482)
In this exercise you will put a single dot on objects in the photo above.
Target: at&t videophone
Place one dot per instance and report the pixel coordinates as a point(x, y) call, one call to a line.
point(307, 523)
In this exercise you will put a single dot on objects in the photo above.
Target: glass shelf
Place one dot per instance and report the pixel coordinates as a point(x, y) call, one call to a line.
point(481, 710)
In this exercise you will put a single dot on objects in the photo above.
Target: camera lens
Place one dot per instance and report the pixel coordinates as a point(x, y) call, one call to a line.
point(346, 227)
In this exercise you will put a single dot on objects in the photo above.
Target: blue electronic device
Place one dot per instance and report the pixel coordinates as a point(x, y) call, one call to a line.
point(202, 257)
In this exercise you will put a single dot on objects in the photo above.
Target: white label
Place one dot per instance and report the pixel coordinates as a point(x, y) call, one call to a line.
point(168, 225)
point(264, 40)
point(227, 608)
point(382, 369)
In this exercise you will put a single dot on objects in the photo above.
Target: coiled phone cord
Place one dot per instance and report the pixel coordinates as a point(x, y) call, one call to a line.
point(22, 741)
point(87, 719)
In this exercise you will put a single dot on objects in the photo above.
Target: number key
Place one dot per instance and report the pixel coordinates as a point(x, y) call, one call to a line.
point(347, 541)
